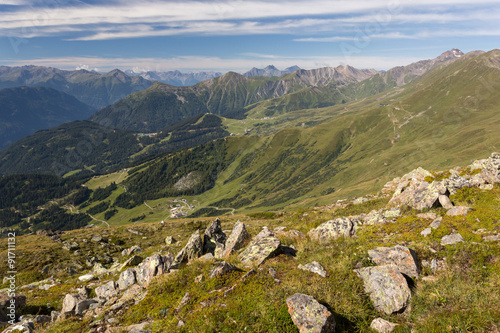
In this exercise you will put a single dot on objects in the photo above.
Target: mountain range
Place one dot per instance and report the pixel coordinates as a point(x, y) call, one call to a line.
point(270, 71)
point(175, 78)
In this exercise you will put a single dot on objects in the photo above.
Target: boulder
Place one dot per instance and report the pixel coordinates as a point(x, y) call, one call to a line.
point(97, 238)
point(436, 223)
point(374, 217)
point(314, 267)
point(309, 315)
point(126, 279)
point(458, 211)
point(131, 262)
point(445, 201)
point(221, 269)
point(76, 304)
point(402, 257)
point(262, 247)
point(193, 249)
point(213, 235)
point(8, 302)
point(236, 240)
point(452, 239)
point(27, 327)
point(490, 170)
point(107, 290)
point(426, 232)
point(382, 325)
point(70, 246)
point(133, 249)
point(169, 240)
point(387, 288)
point(332, 229)
point(99, 269)
point(87, 278)
point(151, 267)
point(392, 213)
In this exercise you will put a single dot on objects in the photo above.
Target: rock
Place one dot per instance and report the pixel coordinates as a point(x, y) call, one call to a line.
point(42, 319)
point(314, 267)
point(487, 187)
point(70, 246)
point(427, 216)
point(221, 269)
point(132, 293)
point(382, 325)
point(133, 249)
point(236, 240)
point(21, 328)
point(131, 262)
point(402, 257)
point(9, 302)
point(76, 304)
point(436, 223)
point(308, 315)
point(107, 290)
point(452, 239)
point(491, 238)
point(151, 267)
point(207, 257)
point(169, 240)
point(45, 232)
point(392, 213)
point(181, 323)
point(87, 278)
point(272, 272)
point(426, 232)
point(332, 229)
point(198, 279)
point(445, 201)
point(99, 269)
point(264, 246)
point(387, 288)
point(54, 315)
point(97, 238)
point(489, 170)
point(219, 250)
point(458, 211)
point(184, 301)
point(374, 217)
point(213, 234)
point(192, 250)
point(126, 279)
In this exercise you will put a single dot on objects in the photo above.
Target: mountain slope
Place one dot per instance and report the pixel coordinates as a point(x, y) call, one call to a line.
point(176, 78)
point(270, 71)
point(92, 88)
point(25, 110)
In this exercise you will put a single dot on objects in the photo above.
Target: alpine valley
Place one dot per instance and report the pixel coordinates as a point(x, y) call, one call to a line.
point(327, 200)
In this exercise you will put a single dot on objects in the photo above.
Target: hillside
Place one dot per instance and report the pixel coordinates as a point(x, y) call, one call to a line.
point(373, 264)
point(25, 110)
point(92, 88)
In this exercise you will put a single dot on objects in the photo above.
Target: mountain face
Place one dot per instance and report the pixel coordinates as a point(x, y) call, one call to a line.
point(176, 78)
point(92, 88)
point(270, 71)
point(25, 110)
point(163, 105)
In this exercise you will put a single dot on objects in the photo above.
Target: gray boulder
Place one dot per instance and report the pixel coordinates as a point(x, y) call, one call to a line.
point(107, 290)
point(236, 240)
point(382, 325)
point(192, 250)
point(221, 269)
point(126, 279)
point(436, 223)
point(76, 304)
point(445, 201)
point(332, 229)
point(151, 267)
point(262, 247)
point(314, 267)
point(458, 211)
point(452, 239)
point(309, 315)
point(133, 249)
point(387, 288)
point(213, 235)
point(402, 257)
point(169, 240)
point(70, 246)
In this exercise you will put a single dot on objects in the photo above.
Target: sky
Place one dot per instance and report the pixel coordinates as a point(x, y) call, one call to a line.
point(236, 35)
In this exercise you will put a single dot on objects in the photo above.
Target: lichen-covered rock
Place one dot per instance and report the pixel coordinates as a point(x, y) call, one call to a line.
point(309, 315)
point(133, 249)
point(382, 325)
point(76, 304)
point(70, 246)
point(221, 269)
point(402, 257)
point(314, 267)
point(374, 217)
point(452, 239)
point(126, 279)
point(445, 201)
point(107, 290)
point(131, 262)
point(426, 232)
point(332, 229)
point(387, 288)
point(151, 267)
point(262, 247)
point(436, 223)
point(192, 250)
point(169, 240)
point(237, 239)
point(392, 213)
point(86, 278)
point(490, 170)
point(458, 211)
point(213, 234)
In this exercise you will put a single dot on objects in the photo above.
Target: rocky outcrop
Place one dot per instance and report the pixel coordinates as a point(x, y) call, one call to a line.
point(262, 247)
point(309, 315)
point(193, 249)
point(76, 304)
point(402, 257)
point(151, 267)
point(387, 288)
point(314, 267)
point(213, 236)
point(332, 229)
point(107, 290)
point(127, 278)
point(221, 269)
point(236, 240)
point(133, 249)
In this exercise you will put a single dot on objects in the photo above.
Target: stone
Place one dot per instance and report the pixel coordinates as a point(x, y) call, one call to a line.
point(131, 293)
point(107, 290)
point(151, 267)
point(70, 246)
point(221, 269)
point(97, 239)
point(262, 247)
point(169, 240)
point(207, 257)
point(236, 240)
point(28, 327)
point(87, 278)
point(192, 250)
point(387, 288)
point(332, 229)
point(213, 234)
point(184, 301)
point(198, 279)
point(458, 211)
point(219, 250)
point(99, 269)
point(54, 315)
point(6, 300)
point(436, 223)
point(309, 315)
point(452, 239)
point(402, 257)
point(392, 213)
point(42, 319)
point(133, 249)
point(426, 232)
point(76, 304)
point(126, 279)
point(314, 267)
point(491, 238)
point(445, 201)
point(131, 262)
point(382, 325)
point(374, 217)
point(427, 216)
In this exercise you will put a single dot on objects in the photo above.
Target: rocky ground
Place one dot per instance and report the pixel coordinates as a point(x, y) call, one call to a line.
point(421, 255)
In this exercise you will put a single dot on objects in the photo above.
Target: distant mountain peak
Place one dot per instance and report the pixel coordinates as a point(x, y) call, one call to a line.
point(270, 70)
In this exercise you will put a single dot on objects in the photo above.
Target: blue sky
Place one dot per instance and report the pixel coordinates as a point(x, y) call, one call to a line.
point(237, 35)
